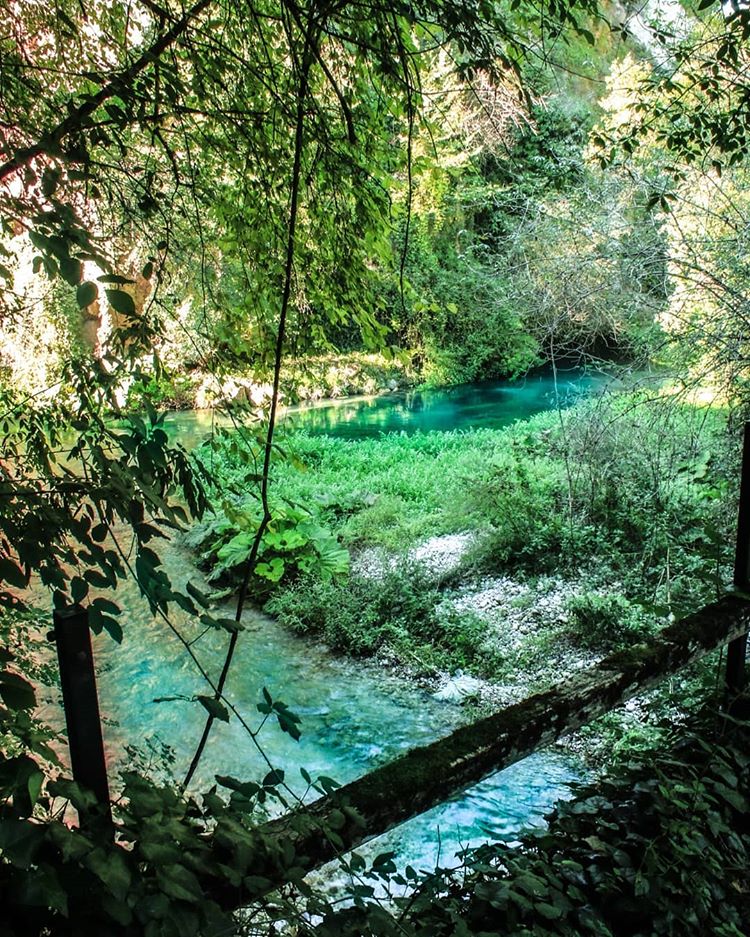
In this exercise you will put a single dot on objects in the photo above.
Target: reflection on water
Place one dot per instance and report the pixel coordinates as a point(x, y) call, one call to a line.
point(491, 404)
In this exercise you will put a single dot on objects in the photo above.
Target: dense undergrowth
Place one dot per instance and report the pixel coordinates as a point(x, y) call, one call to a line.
point(625, 496)
point(660, 847)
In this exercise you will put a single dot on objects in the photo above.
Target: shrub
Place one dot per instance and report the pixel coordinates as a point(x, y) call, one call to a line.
point(400, 607)
point(293, 543)
point(606, 621)
point(521, 497)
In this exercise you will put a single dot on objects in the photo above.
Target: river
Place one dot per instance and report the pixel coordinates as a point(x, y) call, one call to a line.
point(489, 404)
point(354, 715)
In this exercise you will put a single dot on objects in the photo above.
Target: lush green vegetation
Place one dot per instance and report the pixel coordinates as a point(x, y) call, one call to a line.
point(236, 203)
point(623, 498)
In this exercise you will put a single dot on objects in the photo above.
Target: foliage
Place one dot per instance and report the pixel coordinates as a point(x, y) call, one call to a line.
point(623, 493)
point(607, 621)
point(56, 521)
point(659, 848)
point(674, 126)
point(455, 340)
point(399, 608)
point(168, 392)
point(293, 543)
point(24, 668)
point(636, 479)
point(184, 183)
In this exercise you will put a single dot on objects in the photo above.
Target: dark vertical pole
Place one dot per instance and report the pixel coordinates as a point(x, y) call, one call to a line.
point(81, 704)
point(737, 650)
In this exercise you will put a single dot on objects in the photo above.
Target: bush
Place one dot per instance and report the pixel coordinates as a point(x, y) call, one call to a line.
point(633, 478)
point(607, 621)
point(522, 499)
point(400, 607)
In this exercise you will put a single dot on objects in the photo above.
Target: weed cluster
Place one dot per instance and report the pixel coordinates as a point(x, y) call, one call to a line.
point(624, 496)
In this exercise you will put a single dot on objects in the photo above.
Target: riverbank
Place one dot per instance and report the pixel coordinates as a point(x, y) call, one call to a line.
point(307, 380)
point(488, 563)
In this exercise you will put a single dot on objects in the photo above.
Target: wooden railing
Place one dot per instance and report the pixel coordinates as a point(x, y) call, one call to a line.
point(429, 775)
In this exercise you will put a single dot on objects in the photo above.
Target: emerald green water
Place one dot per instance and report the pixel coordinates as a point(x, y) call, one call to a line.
point(491, 404)
point(354, 715)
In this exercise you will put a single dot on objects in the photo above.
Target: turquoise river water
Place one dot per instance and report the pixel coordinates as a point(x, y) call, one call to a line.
point(491, 404)
point(354, 715)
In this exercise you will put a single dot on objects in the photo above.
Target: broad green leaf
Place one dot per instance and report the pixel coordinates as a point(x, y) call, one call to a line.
point(20, 840)
point(71, 270)
point(121, 302)
point(180, 883)
point(115, 278)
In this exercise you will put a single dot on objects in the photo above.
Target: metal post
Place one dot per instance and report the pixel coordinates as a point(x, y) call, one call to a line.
point(81, 704)
point(737, 650)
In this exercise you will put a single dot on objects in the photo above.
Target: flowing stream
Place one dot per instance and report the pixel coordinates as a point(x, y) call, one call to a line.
point(490, 404)
point(354, 715)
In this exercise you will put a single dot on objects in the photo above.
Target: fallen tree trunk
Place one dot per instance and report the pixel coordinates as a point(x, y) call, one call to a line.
point(430, 775)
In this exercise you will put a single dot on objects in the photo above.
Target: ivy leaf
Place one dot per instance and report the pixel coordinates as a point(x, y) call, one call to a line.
point(19, 841)
point(216, 709)
point(180, 883)
point(43, 890)
point(112, 869)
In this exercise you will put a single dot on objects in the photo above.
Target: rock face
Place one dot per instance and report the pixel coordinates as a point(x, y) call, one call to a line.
point(211, 392)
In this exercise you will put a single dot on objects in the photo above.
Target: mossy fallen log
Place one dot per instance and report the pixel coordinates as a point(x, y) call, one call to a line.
point(429, 775)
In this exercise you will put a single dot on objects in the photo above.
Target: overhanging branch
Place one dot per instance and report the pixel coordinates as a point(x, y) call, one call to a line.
point(76, 119)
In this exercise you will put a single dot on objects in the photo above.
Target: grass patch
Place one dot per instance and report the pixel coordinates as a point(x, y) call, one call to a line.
point(630, 490)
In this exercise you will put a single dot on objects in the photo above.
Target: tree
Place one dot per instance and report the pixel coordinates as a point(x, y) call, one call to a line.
point(232, 153)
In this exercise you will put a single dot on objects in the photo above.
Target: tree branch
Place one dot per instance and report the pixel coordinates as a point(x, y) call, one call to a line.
point(77, 118)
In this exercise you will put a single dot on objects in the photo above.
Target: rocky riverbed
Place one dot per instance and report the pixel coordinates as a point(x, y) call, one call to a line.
point(527, 625)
